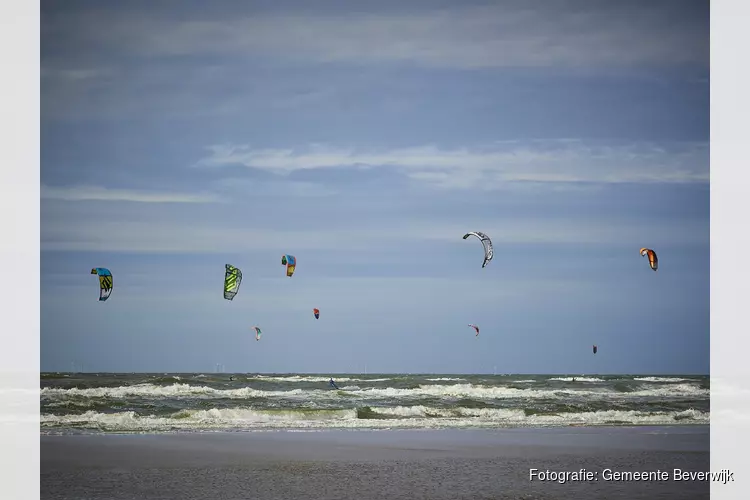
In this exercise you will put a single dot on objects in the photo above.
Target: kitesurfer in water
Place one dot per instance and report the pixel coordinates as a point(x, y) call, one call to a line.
point(332, 383)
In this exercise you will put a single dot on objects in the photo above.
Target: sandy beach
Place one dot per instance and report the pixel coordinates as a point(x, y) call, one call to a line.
point(362, 465)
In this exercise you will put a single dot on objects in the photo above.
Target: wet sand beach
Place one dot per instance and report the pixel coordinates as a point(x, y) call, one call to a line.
point(363, 465)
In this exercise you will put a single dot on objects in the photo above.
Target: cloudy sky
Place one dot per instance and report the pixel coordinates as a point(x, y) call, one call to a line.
point(178, 137)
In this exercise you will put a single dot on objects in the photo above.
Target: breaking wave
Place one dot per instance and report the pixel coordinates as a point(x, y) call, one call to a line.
point(366, 417)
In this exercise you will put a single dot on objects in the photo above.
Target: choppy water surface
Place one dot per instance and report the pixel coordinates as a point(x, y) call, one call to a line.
point(105, 402)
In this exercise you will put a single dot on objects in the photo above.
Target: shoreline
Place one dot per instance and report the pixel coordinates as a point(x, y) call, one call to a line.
point(364, 464)
point(81, 431)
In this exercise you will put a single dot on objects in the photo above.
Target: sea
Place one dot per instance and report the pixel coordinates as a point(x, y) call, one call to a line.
point(72, 403)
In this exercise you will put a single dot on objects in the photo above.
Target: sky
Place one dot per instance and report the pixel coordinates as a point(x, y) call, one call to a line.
point(366, 140)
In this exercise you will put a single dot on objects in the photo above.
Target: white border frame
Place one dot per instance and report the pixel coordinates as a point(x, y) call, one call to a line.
point(19, 251)
point(730, 190)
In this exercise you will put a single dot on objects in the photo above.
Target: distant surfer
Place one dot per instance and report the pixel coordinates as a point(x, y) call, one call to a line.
point(574, 379)
point(332, 383)
point(231, 378)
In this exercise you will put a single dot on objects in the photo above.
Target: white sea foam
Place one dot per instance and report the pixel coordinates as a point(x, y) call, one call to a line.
point(577, 379)
point(401, 416)
point(313, 379)
point(167, 391)
point(663, 379)
point(440, 391)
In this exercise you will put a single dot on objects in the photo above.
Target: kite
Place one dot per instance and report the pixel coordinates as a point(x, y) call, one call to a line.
point(316, 312)
point(595, 349)
point(105, 282)
point(232, 280)
point(475, 327)
point(290, 262)
point(486, 243)
point(653, 261)
point(258, 333)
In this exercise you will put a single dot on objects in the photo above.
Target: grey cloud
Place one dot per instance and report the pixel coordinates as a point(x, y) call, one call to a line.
point(581, 33)
point(492, 166)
